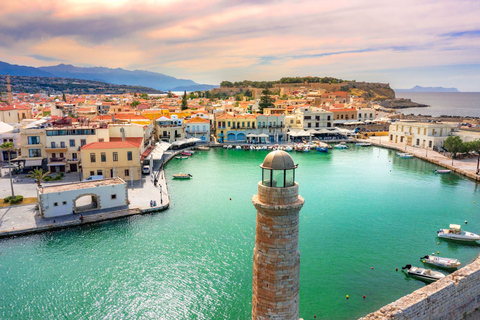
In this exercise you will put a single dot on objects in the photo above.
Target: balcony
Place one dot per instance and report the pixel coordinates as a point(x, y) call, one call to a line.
point(56, 149)
point(56, 159)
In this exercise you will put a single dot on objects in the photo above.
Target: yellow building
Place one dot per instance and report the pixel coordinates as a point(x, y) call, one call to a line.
point(234, 128)
point(32, 146)
point(153, 114)
point(112, 159)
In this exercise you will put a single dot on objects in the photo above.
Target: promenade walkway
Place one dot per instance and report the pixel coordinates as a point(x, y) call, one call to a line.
point(466, 167)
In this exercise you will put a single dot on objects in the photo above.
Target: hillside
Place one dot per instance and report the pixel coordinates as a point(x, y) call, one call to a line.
point(117, 76)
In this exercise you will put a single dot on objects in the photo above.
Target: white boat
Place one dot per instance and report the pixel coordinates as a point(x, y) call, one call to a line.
point(238, 148)
point(181, 157)
point(203, 148)
point(363, 144)
point(405, 155)
point(442, 171)
point(306, 149)
point(423, 274)
point(340, 146)
point(229, 146)
point(288, 148)
point(455, 232)
point(324, 145)
point(441, 262)
point(182, 176)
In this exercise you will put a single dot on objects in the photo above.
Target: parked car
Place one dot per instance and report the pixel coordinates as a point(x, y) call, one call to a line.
point(146, 169)
point(93, 178)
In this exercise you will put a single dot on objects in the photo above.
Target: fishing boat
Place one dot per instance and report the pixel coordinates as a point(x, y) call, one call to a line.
point(446, 263)
point(182, 176)
point(426, 275)
point(442, 171)
point(340, 146)
point(322, 149)
point(405, 155)
point(455, 232)
point(324, 145)
point(203, 148)
point(181, 157)
point(363, 144)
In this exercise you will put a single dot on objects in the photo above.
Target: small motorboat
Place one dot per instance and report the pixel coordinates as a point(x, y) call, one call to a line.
point(182, 176)
point(288, 148)
point(405, 155)
point(426, 275)
point(442, 171)
point(229, 146)
point(363, 144)
point(322, 149)
point(340, 146)
point(203, 148)
point(455, 232)
point(238, 148)
point(181, 157)
point(186, 153)
point(306, 149)
point(441, 262)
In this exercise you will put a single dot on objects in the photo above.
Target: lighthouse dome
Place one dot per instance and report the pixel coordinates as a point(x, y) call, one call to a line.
point(278, 160)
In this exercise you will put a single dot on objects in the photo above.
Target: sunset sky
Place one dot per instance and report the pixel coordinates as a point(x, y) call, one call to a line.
point(404, 43)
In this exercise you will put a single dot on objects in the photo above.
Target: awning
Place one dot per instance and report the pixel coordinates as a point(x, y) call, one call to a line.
point(251, 135)
point(54, 164)
point(263, 135)
point(33, 163)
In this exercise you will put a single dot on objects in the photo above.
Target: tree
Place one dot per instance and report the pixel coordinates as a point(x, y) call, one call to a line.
point(266, 101)
point(8, 146)
point(64, 98)
point(454, 145)
point(38, 175)
point(184, 101)
point(144, 96)
point(135, 103)
point(169, 94)
point(475, 146)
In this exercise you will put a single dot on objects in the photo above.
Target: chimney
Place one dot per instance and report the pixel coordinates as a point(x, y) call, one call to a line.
point(122, 130)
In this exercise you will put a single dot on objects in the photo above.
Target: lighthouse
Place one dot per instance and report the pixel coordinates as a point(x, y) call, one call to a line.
point(276, 258)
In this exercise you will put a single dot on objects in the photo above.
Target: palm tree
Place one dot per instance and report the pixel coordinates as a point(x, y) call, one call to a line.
point(8, 146)
point(38, 175)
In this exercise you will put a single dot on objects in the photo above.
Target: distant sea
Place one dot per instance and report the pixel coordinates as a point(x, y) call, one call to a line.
point(443, 103)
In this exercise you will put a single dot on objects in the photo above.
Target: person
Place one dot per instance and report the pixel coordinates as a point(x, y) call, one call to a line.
point(81, 218)
point(154, 203)
point(151, 203)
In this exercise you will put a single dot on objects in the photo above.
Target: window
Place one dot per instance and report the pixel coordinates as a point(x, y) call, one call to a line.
point(429, 144)
point(418, 142)
point(129, 156)
point(359, 115)
point(115, 156)
point(309, 125)
point(103, 157)
point(328, 117)
point(34, 153)
point(100, 140)
point(72, 143)
point(33, 140)
point(55, 204)
point(54, 155)
point(99, 172)
point(52, 144)
point(92, 157)
point(64, 203)
point(62, 144)
point(92, 173)
point(61, 155)
point(127, 172)
point(114, 196)
point(83, 142)
point(74, 156)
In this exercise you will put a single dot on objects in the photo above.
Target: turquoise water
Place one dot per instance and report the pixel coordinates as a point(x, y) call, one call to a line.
point(364, 207)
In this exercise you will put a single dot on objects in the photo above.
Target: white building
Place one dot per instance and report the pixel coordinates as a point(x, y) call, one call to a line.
point(273, 125)
point(314, 118)
point(74, 198)
point(364, 114)
point(198, 128)
point(420, 134)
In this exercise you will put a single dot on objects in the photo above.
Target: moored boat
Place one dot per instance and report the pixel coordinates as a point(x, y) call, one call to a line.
point(363, 144)
point(288, 148)
point(426, 275)
point(203, 148)
point(182, 176)
point(306, 149)
point(455, 232)
point(181, 157)
point(442, 171)
point(441, 262)
point(405, 155)
point(186, 153)
point(340, 146)
point(322, 149)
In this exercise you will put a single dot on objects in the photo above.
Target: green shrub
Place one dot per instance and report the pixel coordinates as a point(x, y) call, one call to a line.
point(16, 199)
point(7, 199)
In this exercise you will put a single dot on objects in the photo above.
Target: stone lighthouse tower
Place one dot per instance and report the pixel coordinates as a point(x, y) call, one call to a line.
point(276, 259)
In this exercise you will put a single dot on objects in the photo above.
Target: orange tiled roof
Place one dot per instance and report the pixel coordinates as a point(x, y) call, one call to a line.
point(135, 140)
point(109, 145)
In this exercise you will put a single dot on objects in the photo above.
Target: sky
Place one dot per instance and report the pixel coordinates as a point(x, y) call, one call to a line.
point(404, 43)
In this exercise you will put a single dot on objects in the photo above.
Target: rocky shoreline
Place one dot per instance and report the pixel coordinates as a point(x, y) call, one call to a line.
point(402, 104)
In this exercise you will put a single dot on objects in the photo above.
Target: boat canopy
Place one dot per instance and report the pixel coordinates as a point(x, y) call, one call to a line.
point(455, 227)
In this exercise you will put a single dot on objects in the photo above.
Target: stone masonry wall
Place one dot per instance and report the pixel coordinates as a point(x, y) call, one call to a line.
point(276, 259)
point(454, 297)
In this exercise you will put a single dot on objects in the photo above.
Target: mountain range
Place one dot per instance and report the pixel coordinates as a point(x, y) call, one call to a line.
point(427, 89)
point(118, 76)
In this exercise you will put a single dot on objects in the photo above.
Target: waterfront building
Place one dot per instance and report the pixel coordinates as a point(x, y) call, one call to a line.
point(366, 114)
point(112, 159)
point(8, 134)
point(317, 118)
point(14, 114)
point(343, 115)
point(276, 258)
point(169, 129)
point(199, 128)
point(75, 198)
point(420, 134)
point(234, 128)
point(32, 147)
point(272, 125)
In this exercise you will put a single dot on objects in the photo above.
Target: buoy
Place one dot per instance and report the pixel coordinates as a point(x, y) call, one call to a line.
point(230, 199)
point(438, 242)
point(347, 296)
point(372, 268)
point(314, 316)
point(438, 252)
point(423, 261)
point(466, 221)
point(473, 201)
point(363, 296)
point(396, 269)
